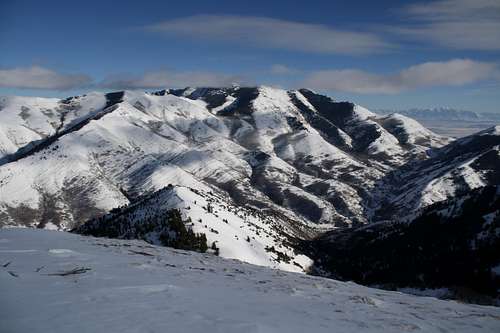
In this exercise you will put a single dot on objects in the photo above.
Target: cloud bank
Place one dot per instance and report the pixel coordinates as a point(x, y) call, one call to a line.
point(455, 24)
point(279, 69)
point(171, 79)
point(454, 72)
point(458, 24)
point(273, 33)
point(36, 77)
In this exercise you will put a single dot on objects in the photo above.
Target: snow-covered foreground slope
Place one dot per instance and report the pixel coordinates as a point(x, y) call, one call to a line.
point(131, 286)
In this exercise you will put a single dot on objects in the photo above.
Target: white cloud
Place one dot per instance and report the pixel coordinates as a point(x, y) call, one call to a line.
point(37, 77)
point(454, 72)
point(171, 79)
point(460, 24)
point(280, 69)
point(446, 9)
point(273, 33)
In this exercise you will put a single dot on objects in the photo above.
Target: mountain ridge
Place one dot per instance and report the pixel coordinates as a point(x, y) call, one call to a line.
point(303, 160)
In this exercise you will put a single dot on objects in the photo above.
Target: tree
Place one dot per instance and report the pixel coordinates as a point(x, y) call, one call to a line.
point(215, 248)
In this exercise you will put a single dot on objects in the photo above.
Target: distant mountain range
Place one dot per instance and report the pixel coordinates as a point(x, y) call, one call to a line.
point(443, 114)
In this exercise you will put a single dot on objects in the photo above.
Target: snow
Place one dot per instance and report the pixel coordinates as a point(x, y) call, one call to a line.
point(271, 109)
point(414, 131)
point(130, 286)
point(304, 100)
point(305, 144)
point(495, 130)
point(169, 173)
point(146, 142)
point(29, 119)
point(25, 119)
point(227, 103)
point(447, 173)
point(362, 113)
point(149, 141)
point(399, 138)
point(441, 293)
point(385, 143)
point(237, 232)
point(445, 186)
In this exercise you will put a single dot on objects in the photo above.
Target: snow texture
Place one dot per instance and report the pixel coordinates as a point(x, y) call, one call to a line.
point(59, 282)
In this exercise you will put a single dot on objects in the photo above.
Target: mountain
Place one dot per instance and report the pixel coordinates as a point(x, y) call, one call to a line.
point(195, 128)
point(99, 284)
point(452, 244)
point(450, 171)
point(276, 167)
point(268, 147)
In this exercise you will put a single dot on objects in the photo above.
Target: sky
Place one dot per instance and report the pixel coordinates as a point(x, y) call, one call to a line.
point(381, 54)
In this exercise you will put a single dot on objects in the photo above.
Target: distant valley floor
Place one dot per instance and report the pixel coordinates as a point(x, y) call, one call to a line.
point(456, 128)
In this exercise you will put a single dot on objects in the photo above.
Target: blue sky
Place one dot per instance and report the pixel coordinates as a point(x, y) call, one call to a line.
point(385, 54)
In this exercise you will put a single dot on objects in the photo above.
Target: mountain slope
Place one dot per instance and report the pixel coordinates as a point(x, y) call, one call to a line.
point(233, 232)
point(450, 122)
point(266, 147)
point(32, 123)
point(453, 170)
point(304, 161)
point(453, 243)
point(131, 286)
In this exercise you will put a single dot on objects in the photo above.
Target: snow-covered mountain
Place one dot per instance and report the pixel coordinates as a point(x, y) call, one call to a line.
point(452, 244)
point(305, 162)
point(60, 282)
point(265, 147)
point(450, 122)
point(453, 170)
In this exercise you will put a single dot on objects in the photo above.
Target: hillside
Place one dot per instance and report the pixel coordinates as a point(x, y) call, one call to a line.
point(452, 244)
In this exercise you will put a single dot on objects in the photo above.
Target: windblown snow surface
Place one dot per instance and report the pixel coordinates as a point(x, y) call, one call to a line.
point(132, 286)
